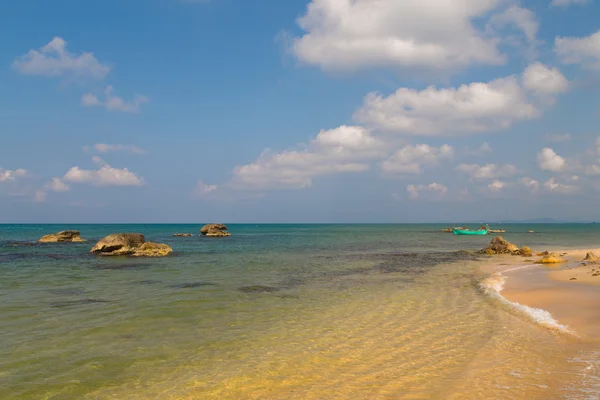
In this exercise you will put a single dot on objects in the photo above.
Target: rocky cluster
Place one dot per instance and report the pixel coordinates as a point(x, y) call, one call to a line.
point(214, 230)
point(62, 237)
point(499, 245)
point(130, 244)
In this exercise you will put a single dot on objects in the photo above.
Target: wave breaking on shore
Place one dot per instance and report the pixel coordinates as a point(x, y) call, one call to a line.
point(493, 287)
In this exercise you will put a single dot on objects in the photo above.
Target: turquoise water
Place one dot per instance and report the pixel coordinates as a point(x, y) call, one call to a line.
point(265, 313)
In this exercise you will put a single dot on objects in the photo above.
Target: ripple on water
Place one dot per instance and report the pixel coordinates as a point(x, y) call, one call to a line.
point(81, 302)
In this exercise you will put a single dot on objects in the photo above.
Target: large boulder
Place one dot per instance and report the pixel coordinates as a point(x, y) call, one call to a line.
point(129, 244)
point(551, 258)
point(499, 245)
point(63, 236)
point(214, 230)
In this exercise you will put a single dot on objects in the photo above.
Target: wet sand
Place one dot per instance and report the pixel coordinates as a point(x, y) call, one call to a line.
point(568, 291)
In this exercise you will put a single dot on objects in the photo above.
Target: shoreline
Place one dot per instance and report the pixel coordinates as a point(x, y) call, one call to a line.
point(563, 297)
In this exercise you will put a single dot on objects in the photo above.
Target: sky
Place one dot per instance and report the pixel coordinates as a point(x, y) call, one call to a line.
point(299, 110)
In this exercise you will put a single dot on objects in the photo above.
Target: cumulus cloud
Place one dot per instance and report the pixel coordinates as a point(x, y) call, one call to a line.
point(544, 80)
point(104, 176)
point(566, 3)
point(472, 108)
point(415, 191)
point(488, 171)
point(579, 50)
point(553, 186)
point(344, 149)
point(530, 184)
point(518, 17)
point(411, 159)
point(57, 185)
point(356, 34)
point(107, 148)
point(114, 103)
point(548, 160)
point(496, 186)
point(54, 60)
point(11, 175)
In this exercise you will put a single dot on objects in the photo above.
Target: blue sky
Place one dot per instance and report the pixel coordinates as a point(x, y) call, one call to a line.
point(299, 111)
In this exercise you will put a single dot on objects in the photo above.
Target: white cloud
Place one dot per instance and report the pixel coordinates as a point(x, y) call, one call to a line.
point(104, 176)
point(114, 103)
point(592, 169)
point(202, 189)
point(53, 60)
point(472, 108)
point(552, 186)
point(579, 50)
point(544, 80)
point(11, 175)
point(521, 18)
point(415, 191)
point(566, 3)
point(410, 159)
point(106, 148)
point(548, 160)
point(488, 171)
point(530, 184)
point(558, 137)
point(496, 186)
point(57, 185)
point(356, 34)
point(341, 150)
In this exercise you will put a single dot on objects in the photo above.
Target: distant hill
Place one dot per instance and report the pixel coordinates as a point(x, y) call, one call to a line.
point(533, 221)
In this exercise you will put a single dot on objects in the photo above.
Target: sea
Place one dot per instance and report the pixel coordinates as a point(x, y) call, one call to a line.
point(281, 311)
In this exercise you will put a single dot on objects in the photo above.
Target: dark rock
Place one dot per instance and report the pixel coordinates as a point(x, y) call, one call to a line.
point(191, 285)
point(258, 289)
point(81, 302)
point(499, 245)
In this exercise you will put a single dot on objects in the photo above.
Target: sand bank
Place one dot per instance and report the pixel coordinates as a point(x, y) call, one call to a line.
point(568, 291)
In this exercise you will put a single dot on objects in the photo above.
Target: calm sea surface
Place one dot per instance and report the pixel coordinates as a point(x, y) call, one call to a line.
point(278, 312)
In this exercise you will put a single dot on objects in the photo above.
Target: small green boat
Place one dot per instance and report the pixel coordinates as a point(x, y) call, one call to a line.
point(481, 231)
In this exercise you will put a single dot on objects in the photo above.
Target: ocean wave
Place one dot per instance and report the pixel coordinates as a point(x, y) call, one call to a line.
point(493, 287)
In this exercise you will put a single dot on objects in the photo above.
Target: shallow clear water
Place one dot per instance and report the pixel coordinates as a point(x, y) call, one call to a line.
point(275, 311)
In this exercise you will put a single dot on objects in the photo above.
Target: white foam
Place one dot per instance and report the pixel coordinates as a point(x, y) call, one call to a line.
point(493, 287)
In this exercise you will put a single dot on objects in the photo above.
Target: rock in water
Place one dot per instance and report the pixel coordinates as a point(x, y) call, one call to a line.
point(130, 244)
point(63, 236)
point(499, 245)
point(551, 258)
point(214, 230)
point(150, 249)
point(591, 256)
point(182, 234)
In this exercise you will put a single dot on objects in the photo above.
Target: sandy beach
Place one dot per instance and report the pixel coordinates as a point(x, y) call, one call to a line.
point(568, 291)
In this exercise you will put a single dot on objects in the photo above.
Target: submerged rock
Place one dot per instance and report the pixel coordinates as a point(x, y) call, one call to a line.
point(63, 236)
point(543, 253)
point(258, 289)
point(214, 230)
point(182, 234)
point(63, 304)
point(551, 258)
point(130, 244)
point(591, 256)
